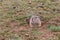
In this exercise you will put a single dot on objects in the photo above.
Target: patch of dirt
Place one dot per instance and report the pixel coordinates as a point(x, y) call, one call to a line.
point(55, 21)
point(45, 9)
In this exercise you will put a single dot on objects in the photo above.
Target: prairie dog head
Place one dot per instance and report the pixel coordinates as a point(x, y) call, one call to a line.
point(35, 20)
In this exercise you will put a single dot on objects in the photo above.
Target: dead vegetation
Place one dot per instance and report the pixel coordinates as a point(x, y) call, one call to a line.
point(13, 15)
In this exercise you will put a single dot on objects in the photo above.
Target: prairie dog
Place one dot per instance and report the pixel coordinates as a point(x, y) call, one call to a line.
point(34, 20)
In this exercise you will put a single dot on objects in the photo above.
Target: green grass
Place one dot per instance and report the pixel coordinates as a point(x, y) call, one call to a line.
point(8, 13)
point(54, 28)
point(35, 32)
point(15, 37)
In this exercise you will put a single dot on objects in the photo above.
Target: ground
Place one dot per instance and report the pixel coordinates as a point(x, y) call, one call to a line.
point(13, 15)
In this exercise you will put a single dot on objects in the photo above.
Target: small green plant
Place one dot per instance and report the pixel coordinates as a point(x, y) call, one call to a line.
point(54, 28)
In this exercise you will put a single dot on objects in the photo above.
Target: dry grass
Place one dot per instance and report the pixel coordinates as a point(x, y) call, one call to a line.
point(14, 13)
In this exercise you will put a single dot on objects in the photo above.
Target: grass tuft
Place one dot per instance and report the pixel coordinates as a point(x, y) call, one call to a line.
point(54, 28)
